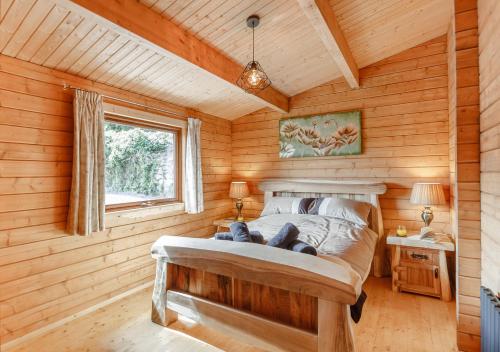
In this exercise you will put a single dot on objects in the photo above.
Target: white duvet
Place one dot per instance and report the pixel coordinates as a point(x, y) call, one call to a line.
point(331, 237)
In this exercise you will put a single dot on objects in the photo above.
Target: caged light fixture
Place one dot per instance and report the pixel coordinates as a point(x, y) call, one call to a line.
point(253, 78)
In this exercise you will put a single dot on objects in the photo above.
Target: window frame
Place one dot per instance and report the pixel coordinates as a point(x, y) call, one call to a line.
point(178, 132)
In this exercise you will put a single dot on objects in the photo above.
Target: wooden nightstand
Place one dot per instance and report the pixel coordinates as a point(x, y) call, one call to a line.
point(420, 266)
point(225, 223)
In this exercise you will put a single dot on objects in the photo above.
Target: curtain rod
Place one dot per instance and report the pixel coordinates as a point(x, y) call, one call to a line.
point(67, 86)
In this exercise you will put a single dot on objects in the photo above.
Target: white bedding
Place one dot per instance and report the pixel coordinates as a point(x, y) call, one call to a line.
point(330, 236)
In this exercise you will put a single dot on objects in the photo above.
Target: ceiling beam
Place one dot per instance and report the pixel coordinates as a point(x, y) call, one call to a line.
point(322, 18)
point(152, 29)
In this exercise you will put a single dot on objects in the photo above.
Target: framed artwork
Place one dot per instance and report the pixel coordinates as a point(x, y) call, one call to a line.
point(329, 134)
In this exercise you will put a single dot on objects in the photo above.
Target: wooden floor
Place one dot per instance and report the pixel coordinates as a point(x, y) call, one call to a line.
point(391, 322)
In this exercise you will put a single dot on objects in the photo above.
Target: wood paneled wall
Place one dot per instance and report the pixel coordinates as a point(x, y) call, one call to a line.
point(46, 275)
point(464, 151)
point(489, 67)
point(404, 106)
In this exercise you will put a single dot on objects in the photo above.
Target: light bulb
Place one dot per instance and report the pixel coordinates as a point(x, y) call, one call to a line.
point(254, 78)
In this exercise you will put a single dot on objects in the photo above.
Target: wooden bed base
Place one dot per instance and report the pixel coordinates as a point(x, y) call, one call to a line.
point(268, 297)
point(254, 293)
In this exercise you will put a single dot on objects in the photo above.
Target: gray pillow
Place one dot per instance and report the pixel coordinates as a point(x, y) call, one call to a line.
point(347, 209)
point(287, 205)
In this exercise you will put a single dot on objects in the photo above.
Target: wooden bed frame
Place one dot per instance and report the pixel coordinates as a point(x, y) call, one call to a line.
point(268, 297)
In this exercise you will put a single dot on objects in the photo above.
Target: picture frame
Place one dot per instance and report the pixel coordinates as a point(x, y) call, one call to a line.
point(331, 134)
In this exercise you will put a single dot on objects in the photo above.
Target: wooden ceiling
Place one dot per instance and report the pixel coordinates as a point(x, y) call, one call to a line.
point(377, 29)
point(287, 46)
point(58, 34)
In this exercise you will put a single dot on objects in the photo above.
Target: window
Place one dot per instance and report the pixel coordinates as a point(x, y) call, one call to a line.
point(142, 163)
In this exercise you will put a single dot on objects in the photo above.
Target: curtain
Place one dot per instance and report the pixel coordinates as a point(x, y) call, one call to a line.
point(193, 179)
point(86, 207)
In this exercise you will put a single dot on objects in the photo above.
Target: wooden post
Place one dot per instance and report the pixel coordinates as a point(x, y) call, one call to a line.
point(443, 277)
point(334, 327)
point(379, 266)
point(396, 256)
point(160, 314)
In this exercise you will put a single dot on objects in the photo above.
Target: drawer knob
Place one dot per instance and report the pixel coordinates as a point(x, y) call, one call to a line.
point(419, 256)
point(436, 273)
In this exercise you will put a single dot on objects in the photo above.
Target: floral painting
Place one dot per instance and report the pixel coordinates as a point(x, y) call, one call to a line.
point(321, 135)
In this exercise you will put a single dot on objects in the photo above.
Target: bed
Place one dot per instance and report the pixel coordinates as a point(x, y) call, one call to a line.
point(272, 298)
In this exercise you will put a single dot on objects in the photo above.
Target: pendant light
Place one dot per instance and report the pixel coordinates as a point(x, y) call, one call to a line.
point(253, 78)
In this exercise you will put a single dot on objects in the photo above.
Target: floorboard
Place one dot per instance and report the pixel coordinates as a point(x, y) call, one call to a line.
point(390, 322)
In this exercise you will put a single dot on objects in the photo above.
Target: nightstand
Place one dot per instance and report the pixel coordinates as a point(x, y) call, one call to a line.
point(225, 223)
point(420, 266)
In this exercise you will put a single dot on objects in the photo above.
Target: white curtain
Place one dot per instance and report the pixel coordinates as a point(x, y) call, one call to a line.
point(86, 208)
point(193, 179)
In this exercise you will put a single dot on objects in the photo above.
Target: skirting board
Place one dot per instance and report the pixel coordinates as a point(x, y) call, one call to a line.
point(42, 331)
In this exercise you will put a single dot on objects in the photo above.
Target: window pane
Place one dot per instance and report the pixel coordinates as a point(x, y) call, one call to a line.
point(140, 163)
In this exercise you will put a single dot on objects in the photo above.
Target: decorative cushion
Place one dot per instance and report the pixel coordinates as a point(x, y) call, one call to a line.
point(314, 206)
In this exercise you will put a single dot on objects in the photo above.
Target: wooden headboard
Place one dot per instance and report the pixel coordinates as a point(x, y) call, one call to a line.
point(358, 190)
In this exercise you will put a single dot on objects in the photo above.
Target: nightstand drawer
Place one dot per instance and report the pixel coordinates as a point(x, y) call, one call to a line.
point(418, 255)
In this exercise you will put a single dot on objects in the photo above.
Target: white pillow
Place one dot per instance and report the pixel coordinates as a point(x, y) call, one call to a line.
point(287, 205)
point(347, 209)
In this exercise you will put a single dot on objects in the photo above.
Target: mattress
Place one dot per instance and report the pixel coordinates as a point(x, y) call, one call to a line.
point(333, 238)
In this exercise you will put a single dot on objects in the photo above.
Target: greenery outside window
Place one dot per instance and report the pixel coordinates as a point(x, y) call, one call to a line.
point(142, 163)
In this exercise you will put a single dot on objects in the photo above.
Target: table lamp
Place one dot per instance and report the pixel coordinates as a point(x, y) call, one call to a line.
point(427, 194)
point(238, 191)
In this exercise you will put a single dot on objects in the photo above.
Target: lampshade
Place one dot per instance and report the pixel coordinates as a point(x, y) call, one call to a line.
point(238, 190)
point(427, 194)
point(253, 78)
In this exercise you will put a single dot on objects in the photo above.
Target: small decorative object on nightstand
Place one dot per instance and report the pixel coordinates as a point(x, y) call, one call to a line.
point(427, 194)
point(238, 191)
point(401, 231)
point(419, 264)
point(225, 223)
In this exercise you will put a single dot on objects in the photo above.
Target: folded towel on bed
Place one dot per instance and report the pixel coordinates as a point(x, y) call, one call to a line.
point(288, 233)
point(357, 307)
point(302, 247)
point(255, 236)
point(240, 232)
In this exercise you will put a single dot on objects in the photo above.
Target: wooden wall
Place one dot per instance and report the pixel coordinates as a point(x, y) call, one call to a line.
point(489, 67)
point(46, 275)
point(404, 105)
point(464, 144)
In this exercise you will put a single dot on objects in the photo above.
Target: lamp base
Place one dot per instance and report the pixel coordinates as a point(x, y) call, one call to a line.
point(239, 207)
point(427, 216)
